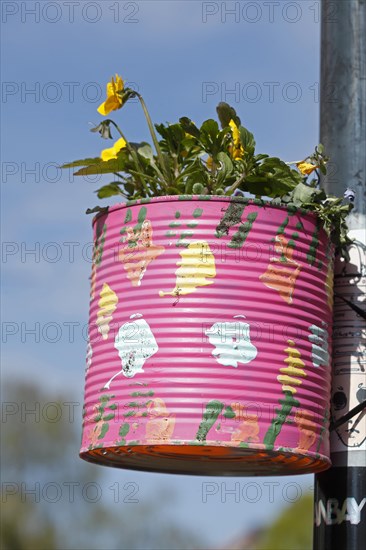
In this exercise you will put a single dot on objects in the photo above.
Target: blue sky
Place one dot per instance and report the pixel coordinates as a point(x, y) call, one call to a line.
point(184, 57)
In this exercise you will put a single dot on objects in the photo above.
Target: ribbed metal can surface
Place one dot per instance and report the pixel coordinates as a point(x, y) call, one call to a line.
point(209, 338)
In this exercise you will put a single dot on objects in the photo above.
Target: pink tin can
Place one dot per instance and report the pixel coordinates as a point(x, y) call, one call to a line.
point(209, 338)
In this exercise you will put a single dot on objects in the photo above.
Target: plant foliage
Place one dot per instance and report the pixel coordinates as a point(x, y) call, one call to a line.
point(209, 159)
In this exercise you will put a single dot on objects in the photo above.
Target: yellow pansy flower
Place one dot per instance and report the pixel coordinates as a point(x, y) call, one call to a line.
point(209, 162)
point(306, 168)
point(111, 153)
point(114, 100)
point(237, 151)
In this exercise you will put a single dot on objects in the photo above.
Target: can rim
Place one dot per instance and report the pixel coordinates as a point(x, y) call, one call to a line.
point(205, 198)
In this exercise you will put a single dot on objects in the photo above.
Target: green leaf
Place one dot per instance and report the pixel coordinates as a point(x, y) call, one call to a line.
point(247, 140)
point(97, 210)
point(146, 151)
point(109, 190)
point(109, 167)
point(189, 127)
point(225, 168)
point(226, 113)
point(173, 191)
point(209, 132)
point(82, 162)
point(129, 187)
point(304, 194)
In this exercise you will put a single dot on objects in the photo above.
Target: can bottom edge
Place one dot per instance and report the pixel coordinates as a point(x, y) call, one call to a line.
point(207, 460)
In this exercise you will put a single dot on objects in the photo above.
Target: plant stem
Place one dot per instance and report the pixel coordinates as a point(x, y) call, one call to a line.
point(236, 184)
point(154, 138)
point(134, 156)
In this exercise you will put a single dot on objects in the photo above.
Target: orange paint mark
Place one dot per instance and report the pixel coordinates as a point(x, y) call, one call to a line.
point(138, 251)
point(160, 426)
point(282, 271)
point(307, 429)
point(248, 429)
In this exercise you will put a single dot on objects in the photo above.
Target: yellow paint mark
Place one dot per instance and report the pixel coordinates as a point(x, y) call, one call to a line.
point(292, 370)
point(195, 269)
point(107, 306)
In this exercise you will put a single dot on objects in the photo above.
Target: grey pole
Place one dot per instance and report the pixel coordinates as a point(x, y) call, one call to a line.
point(340, 503)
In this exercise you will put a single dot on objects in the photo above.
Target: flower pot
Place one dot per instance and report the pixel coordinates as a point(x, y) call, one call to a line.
point(209, 338)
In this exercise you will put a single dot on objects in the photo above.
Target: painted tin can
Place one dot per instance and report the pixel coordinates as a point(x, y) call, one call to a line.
point(209, 338)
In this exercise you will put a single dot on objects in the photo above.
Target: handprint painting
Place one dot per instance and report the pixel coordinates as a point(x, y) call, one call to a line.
point(207, 319)
point(232, 343)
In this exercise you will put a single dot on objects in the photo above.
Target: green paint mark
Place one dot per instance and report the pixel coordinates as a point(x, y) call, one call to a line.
point(295, 235)
point(99, 245)
point(128, 217)
point(177, 214)
point(320, 264)
point(229, 413)
point(204, 197)
point(136, 442)
point(105, 398)
point(231, 217)
point(108, 417)
point(130, 413)
point(142, 214)
point(186, 234)
point(197, 212)
point(282, 227)
point(299, 225)
point(291, 209)
point(144, 414)
point(182, 243)
point(192, 224)
point(123, 230)
point(174, 224)
point(170, 234)
point(244, 444)
point(140, 219)
point(124, 429)
point(145, 200)
point(291, 243)
point(239, 238)
point(95, 446)
point(121, 442)
point(311, 255)
point(218, 427)
point(104, 430)
point(185, 198)
point(281, 415)
point(212, 411)
point(138, 404)
point(149, 393)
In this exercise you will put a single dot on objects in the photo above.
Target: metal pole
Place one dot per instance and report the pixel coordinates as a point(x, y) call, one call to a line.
point(340, 503)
